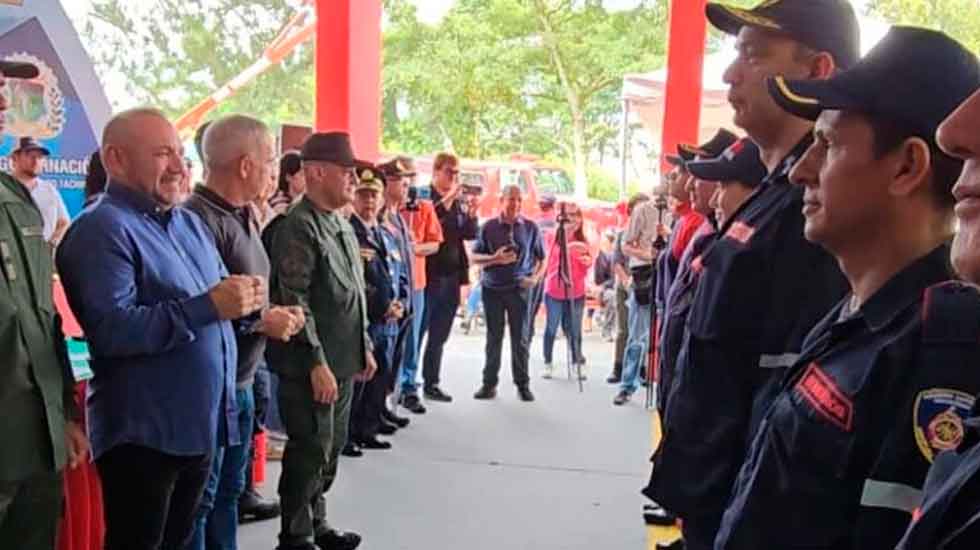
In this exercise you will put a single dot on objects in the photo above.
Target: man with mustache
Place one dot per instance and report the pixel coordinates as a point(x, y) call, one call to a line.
point(153, 297)
point(316, 265)
point(39, 419)
point(949, 517)
point(887, 377)
point(763, 286)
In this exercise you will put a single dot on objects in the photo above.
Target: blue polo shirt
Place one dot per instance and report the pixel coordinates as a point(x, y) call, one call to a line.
point(137, 277)
point(524, 236)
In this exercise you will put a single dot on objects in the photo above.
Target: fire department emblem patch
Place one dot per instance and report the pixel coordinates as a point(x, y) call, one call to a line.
point(938, 420)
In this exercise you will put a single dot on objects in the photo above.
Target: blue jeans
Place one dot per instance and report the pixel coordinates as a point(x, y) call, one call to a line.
point(571, 325)
point(216, 526)
point(635, 357)
point(473, 299)
point(413, 339)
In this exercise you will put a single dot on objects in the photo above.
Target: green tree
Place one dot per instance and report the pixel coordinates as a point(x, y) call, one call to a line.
point(957, 18)
point(174, 53)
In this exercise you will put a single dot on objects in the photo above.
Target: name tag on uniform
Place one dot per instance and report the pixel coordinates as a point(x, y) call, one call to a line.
point(8, 261)
point(32, 231)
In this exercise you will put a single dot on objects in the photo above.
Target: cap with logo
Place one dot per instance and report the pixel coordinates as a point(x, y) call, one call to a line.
point(332, 147)
point(824, 25)
point(369, 177)
point(915, 77)
point(18, 69)
point(740, 162)
point(396, 168)
point(28, 144)
point(712, 148)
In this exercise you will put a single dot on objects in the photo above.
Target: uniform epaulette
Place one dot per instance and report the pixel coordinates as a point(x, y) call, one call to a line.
point(951, 312)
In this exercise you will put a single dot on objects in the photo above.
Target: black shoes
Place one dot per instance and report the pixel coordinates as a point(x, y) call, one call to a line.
point(372, 443)
point(524, 393)
point(622, 398)
point(435, 393)
point(655, 514)
point(676, 545)
point(616, 376)
point(252, 507)
point(352, 450)
point(387, 429)
point(393, 418)
point(413, 404)
point(485, 392)
point(338, 540)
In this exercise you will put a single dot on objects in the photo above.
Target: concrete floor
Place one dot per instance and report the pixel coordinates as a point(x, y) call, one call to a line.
point(562, 473)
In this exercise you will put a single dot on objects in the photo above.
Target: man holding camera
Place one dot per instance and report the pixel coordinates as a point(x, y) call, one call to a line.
point(511, 252)
point(448, 268)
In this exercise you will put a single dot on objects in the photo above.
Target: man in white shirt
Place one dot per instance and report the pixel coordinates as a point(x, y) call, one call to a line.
point(28, 163)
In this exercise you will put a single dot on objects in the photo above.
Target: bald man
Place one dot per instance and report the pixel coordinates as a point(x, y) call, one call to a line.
point(241, 162)
point(155, 301)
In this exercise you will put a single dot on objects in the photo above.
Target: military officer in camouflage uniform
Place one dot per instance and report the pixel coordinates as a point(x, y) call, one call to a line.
point(38, 416)
point(315, 265)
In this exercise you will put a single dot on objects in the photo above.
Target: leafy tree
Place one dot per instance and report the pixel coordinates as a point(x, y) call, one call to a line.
point(957, 18)
point(174, 53)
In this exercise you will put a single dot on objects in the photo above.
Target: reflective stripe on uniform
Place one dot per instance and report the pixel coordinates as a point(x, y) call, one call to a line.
point(784, 360)
point(885, 494)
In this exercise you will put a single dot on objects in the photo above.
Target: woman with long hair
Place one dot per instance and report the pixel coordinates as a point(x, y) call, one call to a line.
point(292, 183)
point(565, 299)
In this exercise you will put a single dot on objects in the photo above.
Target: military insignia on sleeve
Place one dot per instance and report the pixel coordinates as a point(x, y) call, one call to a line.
point(826, 398)
point(740, 232)
point(938, 420)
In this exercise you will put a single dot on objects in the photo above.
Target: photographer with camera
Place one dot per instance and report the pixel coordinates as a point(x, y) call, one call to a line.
point(511, 252)
point(448, 268)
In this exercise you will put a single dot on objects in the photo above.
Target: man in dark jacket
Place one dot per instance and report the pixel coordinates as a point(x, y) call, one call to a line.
point(386, 292)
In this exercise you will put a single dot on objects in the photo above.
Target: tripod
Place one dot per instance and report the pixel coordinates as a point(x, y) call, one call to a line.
point(564, 275)
point(659, 245)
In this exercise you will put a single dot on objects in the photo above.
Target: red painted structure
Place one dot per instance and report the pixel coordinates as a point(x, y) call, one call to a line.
point(685, 61)
point(348, 72)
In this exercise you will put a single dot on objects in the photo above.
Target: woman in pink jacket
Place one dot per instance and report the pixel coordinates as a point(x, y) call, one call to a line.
point(565, 300)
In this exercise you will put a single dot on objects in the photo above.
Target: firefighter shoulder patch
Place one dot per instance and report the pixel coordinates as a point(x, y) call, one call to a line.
point(938, 420)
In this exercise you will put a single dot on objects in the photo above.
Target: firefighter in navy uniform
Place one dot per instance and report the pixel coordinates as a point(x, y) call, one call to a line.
point(949, 517)
point(886, 379)
point(762, 286)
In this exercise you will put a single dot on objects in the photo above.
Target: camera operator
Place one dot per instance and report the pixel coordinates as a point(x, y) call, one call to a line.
point(511, 252)
point(447, 269)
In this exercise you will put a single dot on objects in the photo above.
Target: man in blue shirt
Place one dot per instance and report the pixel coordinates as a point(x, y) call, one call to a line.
point(510, 250)
point(147, 284)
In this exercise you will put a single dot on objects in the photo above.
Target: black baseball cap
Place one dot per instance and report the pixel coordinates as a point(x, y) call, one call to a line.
point(914, 76)
point(710, 149)
point(27, 144)
point(18, 69)
point(824, 25)
point(740, 162)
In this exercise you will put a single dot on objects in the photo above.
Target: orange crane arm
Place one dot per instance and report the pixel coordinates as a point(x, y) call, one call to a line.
point(300, 28)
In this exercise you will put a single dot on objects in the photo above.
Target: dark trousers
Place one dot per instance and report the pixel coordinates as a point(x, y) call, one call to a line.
point(510, 306)
point(535, 299)
point(30, 510)
point(442, 301)
point(700, 530)
point(369, 397)
point(150, 497)
point(622, 327)
point(317, 433)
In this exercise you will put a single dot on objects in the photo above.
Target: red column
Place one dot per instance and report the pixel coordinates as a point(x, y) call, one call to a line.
point(348, 72)
point(685, 62)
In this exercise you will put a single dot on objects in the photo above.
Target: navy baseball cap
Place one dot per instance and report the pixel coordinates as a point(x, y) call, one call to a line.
point(740, 162)
point(714, 147)
point(914, 76)
point(824, 25)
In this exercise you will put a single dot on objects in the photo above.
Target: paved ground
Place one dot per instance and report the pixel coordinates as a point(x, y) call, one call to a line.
point(562, 473)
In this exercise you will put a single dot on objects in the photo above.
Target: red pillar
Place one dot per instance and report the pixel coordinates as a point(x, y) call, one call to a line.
point(685, 63)
point(348, 72)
